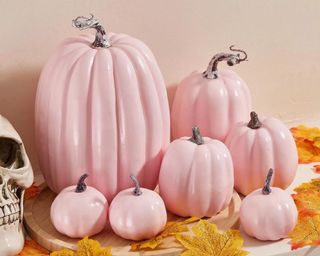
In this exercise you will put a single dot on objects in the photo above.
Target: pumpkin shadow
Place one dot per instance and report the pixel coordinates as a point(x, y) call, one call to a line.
point(171, 92)
point(17, 100)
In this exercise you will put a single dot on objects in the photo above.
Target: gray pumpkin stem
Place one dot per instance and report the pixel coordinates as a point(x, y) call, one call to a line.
point(254, 122)
point(196, 136)
point(137, 190)
point(81, 186)
point(101, 39)
point(266, 189)
point(230, 58)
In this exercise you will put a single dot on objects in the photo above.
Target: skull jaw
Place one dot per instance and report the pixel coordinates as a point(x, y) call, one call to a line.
point(12, 239)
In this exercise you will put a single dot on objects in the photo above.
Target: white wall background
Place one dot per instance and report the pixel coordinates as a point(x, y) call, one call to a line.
point(282, 38)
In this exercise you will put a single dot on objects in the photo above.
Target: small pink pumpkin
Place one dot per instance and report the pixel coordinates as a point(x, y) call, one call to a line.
point(101, 106)
point(79, 211)
point(270, 214)
point(196, 176)
point(258, 145)
point(137, 214)
point(214, 100)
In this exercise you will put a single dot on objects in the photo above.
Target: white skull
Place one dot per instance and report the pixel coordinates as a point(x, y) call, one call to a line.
point(15, 176)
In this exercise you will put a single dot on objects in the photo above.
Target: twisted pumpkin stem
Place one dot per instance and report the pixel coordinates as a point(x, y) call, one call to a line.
point(101, 39)
point(266, 189)
point(81, 186)
point(196, 136)
point(254, 122)
point(137, 190)
point(230, 58)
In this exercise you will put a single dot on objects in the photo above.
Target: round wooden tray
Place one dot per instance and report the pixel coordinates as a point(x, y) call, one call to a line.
point(38, 225)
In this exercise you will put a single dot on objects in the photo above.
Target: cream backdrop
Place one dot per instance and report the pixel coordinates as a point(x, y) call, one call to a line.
point(282, 39)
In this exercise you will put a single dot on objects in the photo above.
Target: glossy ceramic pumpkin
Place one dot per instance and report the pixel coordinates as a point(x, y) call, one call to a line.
point(79, 211)
point(257, 146)
point(196, 176)
point(102, 108)
point(268, 213)
point(137, 214)
point(214, 100)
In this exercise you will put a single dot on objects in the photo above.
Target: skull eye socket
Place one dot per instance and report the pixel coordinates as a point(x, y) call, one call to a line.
point(10, 154)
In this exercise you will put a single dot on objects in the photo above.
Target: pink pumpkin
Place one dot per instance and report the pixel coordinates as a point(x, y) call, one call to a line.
point(79, 211)
point(214, 100)
point(196, 176)
point(268, 214)
point(101, 107)
point(258, 145)
point(137, 214)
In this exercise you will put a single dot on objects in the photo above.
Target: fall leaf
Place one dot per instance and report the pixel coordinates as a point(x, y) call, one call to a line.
point(208, 241)
point(31, 192)
point(313, 185)
point(63, 252)
point(306, 232)
point(86, 247)
point(171, 228)
point(308, 143)
point(317, 168)
point(308, 203)
point(33, 248)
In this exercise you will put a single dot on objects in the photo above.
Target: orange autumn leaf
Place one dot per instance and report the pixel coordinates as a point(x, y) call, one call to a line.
point(171, 228)
point(308, 143)
point(317, 168)
point(31, 192)
point(306, 232)
point(31, 248)
point(207, 240)
point(308, 203)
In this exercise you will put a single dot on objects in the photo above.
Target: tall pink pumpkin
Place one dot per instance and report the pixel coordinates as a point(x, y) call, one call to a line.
point(101, 108)
point(213, 100)
point(256, 147)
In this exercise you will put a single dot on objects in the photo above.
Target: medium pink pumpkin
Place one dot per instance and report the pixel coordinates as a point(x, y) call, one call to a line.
point(258, 145)
point(137, 214)
point(214, 100)
point(268, 214)
point(101, 107)
point(196, 176)
point(79, 211)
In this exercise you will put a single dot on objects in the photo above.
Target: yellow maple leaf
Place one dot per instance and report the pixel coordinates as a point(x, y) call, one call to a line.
point(306, 232)
point(171, 228)
point(90, 247)
point(207, 240)
point(33, 248)
point(308, 203)
point(63, 252)
point(313, 185)
point(86, 247)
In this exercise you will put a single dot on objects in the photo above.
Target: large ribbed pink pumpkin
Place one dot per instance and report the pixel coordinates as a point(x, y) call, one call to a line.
point(101, 108)
point(256, 147)
point(196, 176)
point(214, 100)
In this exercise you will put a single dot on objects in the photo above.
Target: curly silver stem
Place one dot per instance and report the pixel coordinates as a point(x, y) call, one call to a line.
point(101, 39)
point(137, 190)
point(230, 58)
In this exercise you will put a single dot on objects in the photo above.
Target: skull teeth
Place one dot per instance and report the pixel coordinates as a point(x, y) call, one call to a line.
point(9, 213)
